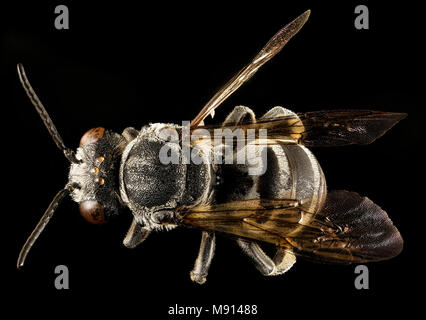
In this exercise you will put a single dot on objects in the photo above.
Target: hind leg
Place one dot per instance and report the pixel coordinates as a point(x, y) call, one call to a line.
point(281, 263)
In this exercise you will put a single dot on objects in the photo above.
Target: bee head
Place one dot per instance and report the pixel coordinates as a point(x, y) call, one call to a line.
point(95, 175)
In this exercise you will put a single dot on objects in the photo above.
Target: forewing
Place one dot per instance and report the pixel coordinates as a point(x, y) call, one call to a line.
point(234, 218)
point(275, 44)
point(348, 229)
point(316, 129)
point(343, 127)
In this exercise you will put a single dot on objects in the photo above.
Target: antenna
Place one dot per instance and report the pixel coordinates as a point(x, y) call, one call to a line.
point(69, 153)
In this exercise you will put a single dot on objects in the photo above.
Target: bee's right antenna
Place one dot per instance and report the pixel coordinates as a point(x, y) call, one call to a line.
point(69, 154)
point(42, 223)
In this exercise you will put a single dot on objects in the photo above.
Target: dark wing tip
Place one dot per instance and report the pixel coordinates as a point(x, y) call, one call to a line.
point(394, 245)
point(387, 242)
point(380, 123)
point(368, 228)
point(331, 128)
point(396, 117)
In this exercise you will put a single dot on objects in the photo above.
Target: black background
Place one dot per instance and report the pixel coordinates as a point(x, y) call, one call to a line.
point(123, 65)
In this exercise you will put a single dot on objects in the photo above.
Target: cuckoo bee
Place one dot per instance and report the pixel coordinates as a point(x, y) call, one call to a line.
point(287, 205)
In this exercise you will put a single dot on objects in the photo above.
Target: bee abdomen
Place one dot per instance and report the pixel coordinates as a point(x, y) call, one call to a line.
point(291, 172)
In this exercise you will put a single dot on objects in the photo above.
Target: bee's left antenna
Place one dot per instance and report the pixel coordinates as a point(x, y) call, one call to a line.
point(69, 153)
point(42, 223)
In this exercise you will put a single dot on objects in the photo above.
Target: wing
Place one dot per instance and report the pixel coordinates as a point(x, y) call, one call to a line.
point(234, 218)
point(316, 129)
point(274, 46)
point(349, 228)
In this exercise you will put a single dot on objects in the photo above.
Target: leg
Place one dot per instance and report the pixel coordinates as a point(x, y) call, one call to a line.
point(238, 115)
point(136, 235)
point(282, 262)
point(276, 112)
point(205, 257)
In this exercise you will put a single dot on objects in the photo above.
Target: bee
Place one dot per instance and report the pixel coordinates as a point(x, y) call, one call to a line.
point(286, 205)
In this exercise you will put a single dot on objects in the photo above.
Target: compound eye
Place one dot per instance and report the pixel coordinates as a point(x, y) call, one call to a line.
point(92, 136)
point(93, 212)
